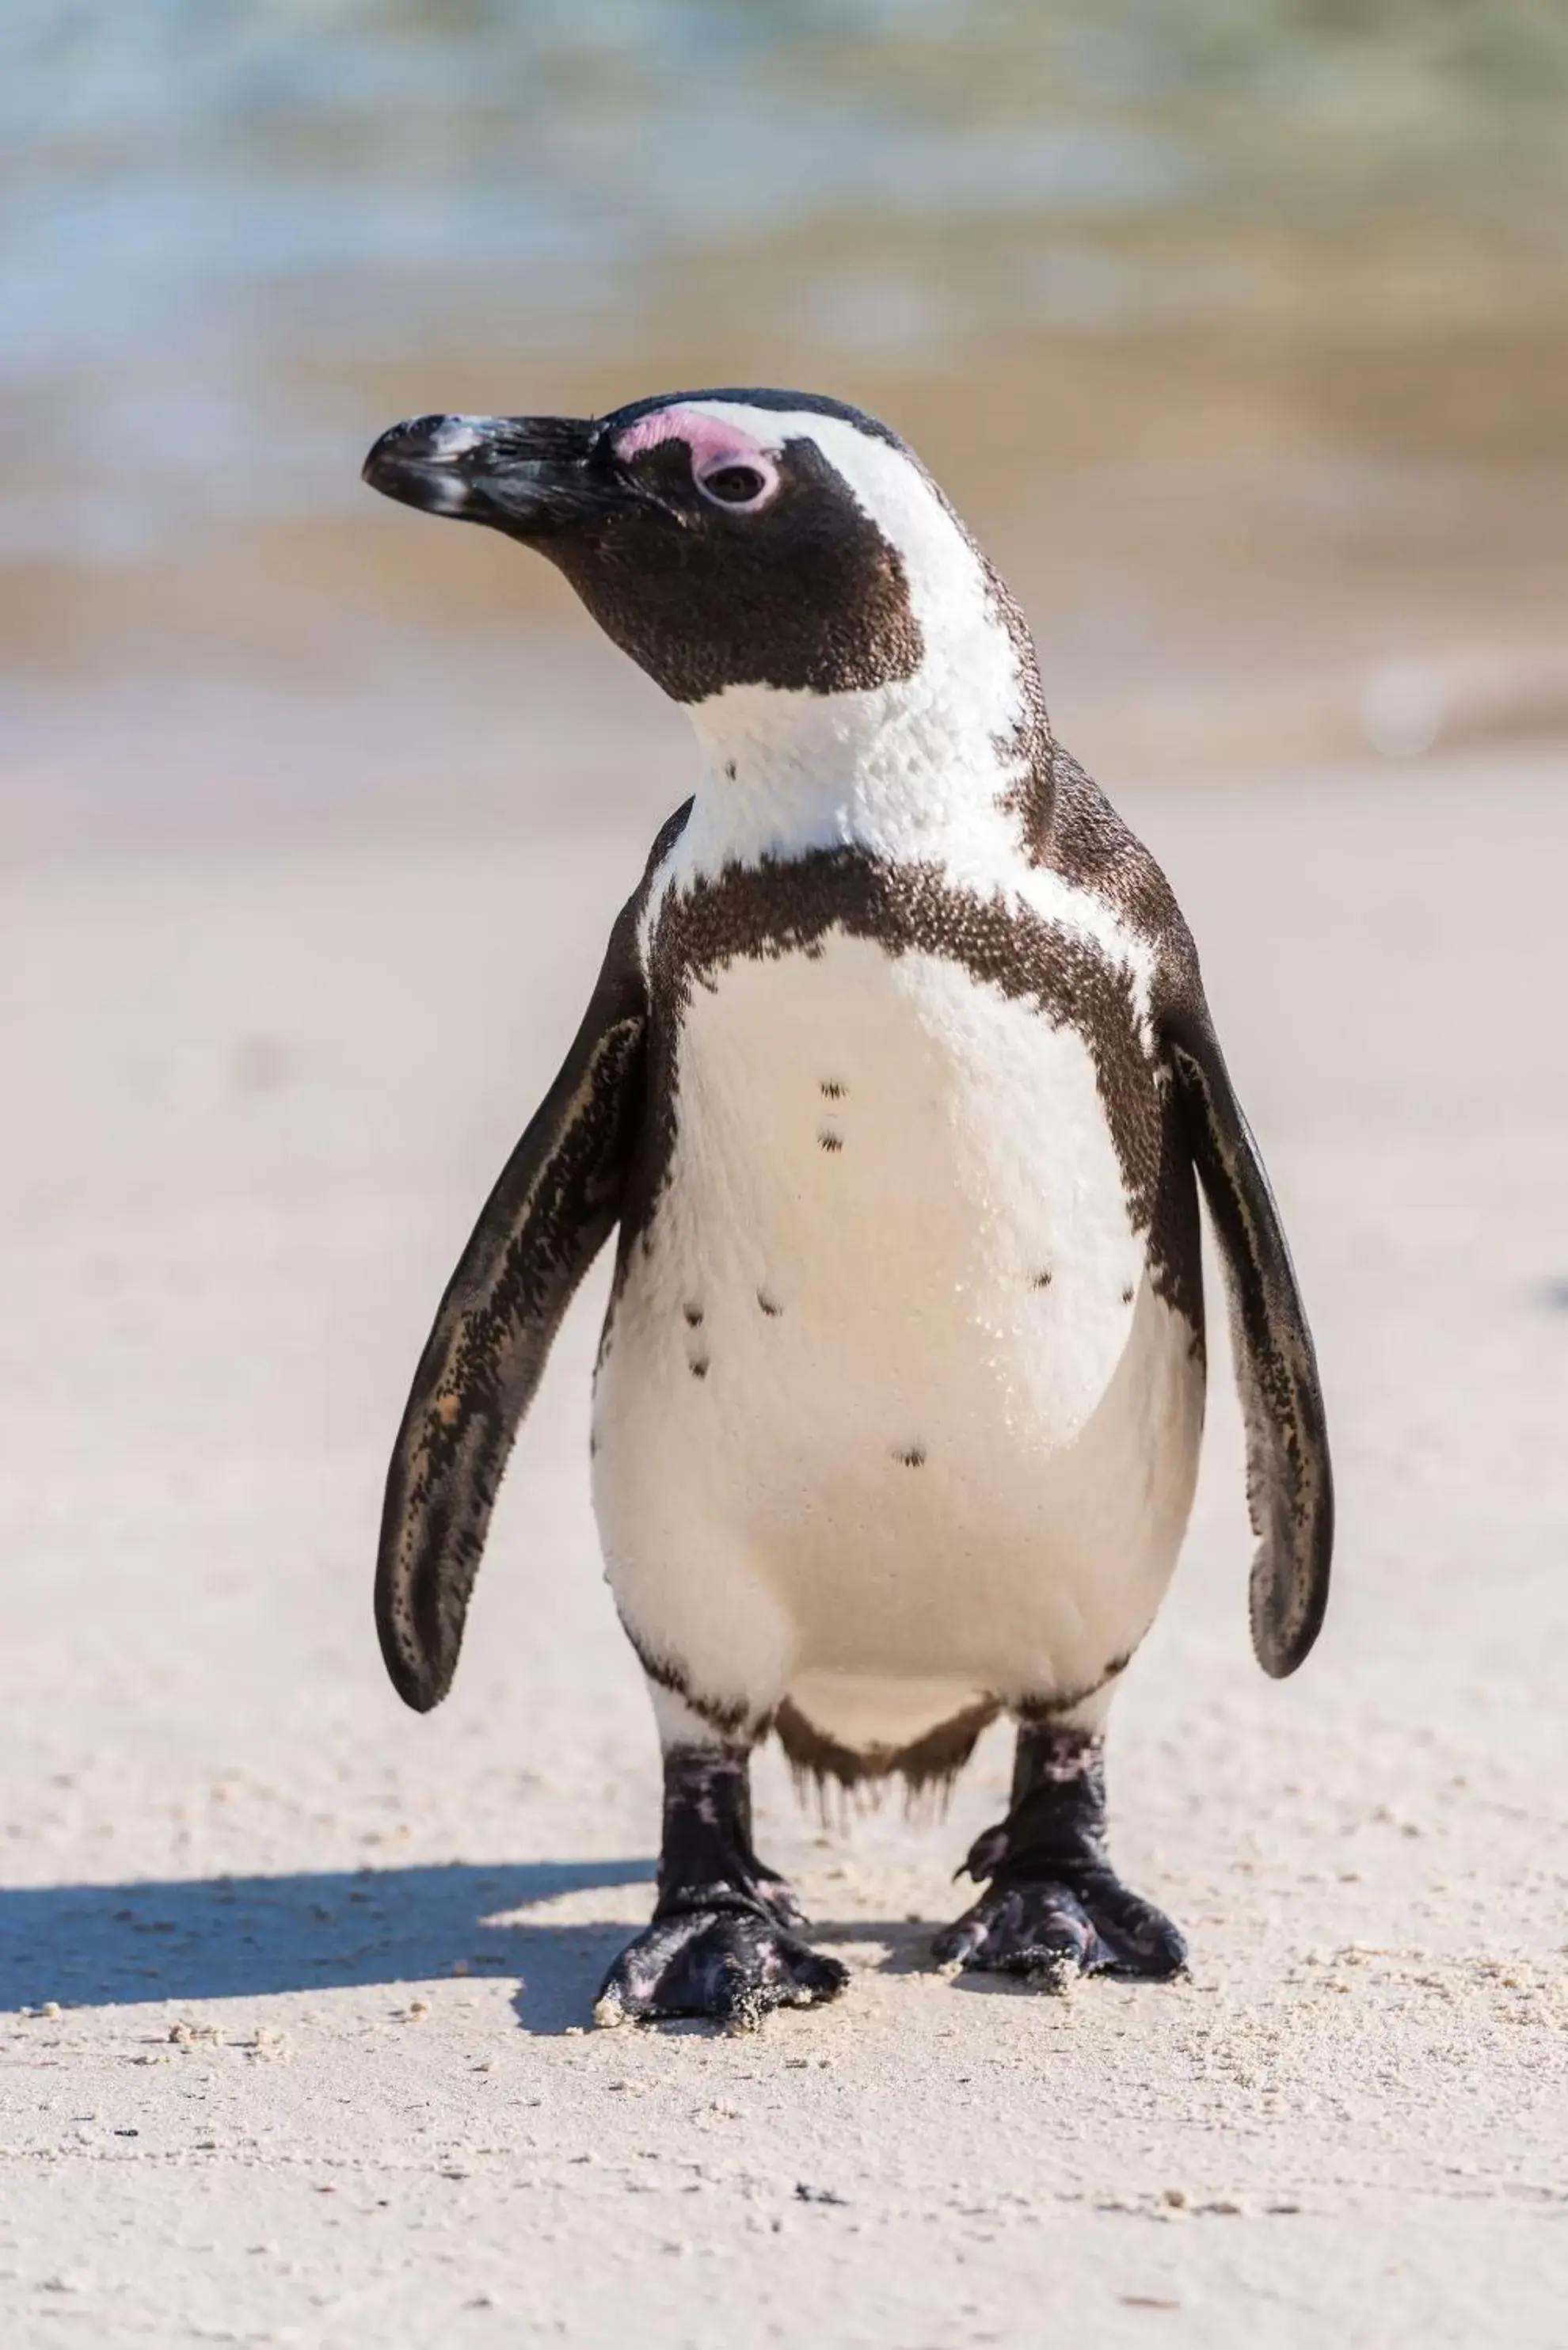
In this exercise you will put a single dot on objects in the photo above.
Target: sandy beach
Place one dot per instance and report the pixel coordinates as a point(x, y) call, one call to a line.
point(295, 1983)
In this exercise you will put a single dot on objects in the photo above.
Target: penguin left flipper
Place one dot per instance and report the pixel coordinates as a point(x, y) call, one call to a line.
point(1290, 1483)
point(556, 1202)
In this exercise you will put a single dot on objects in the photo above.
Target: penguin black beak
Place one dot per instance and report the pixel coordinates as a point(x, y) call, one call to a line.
point(533, 477)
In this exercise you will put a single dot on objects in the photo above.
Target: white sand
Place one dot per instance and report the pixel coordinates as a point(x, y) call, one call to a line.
point(257, 1087)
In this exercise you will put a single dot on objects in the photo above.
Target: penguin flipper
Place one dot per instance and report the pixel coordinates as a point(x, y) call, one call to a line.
point(559, 1199)
point(1290, 1482)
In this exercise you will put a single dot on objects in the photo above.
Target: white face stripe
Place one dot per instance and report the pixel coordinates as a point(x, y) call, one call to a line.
point(911, 746)
point(888, 484)
point(915, 771)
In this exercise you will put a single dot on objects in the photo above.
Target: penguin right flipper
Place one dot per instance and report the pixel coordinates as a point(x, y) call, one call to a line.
point(1290, 1483)
point(556, 1202)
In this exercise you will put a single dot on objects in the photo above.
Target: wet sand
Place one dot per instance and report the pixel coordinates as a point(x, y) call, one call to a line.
point(294, 1982)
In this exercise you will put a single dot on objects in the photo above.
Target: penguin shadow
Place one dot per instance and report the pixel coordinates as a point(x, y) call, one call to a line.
point(906, 1949)
point(148, 1940)
point(254, 1937)
point(904, 1943)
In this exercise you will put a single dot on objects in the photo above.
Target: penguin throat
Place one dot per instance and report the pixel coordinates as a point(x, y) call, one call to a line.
point(948, 766)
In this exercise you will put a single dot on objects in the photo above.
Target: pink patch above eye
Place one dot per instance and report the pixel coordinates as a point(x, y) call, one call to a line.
point(710, 440)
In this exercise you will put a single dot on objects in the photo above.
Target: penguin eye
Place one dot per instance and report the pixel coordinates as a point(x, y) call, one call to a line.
point(741, 487)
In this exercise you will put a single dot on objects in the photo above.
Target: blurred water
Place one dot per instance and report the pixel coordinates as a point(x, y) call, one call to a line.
point(1237, 327)
point(223, 219)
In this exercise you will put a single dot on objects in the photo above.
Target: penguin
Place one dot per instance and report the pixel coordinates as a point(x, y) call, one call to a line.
point(898, 1088)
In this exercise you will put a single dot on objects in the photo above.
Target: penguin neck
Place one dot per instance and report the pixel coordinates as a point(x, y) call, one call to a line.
point(949, 767)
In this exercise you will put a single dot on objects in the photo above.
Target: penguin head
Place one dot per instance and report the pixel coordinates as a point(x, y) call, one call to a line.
point(722, 539)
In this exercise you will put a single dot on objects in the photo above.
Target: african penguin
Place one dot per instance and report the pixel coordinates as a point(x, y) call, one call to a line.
point(896, 1082)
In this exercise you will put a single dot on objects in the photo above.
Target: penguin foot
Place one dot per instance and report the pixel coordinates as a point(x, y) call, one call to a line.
point(733, 1965)
point(725, 1941)
point(1054, 1908)
point(1050, 1931)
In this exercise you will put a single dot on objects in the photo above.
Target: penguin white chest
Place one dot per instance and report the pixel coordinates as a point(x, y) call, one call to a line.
point(885, 1388)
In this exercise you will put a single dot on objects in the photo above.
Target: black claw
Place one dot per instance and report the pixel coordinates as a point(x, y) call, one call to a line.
point(956, 1944)
point(1141, 1940)
point(779, 1898)
point(734, 1967)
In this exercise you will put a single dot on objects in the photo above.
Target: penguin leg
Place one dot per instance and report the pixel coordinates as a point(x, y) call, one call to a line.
point(724, 1942)
point(1053, 1907)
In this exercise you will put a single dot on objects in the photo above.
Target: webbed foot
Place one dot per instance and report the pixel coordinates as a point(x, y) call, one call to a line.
point(732, 1965)
point(1050, 1931)
point(725, 1941)
point(1053, 1907)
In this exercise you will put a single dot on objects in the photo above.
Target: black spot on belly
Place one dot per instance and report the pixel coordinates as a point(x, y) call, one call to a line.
point(769, 910)
point(831, 1141)
point(831, 1090)
point(913, 1456)
point(699, 1367)
point(1042, 1280)
point(769, 1305)
point(693, 1316)
point(1128, 1295)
